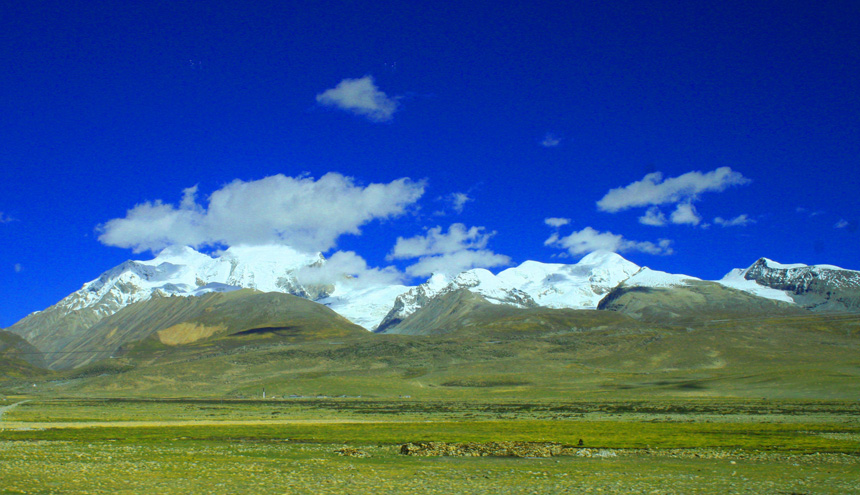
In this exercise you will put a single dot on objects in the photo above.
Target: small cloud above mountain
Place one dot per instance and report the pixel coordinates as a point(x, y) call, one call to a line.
point(654, 190)
point(450, 252)
point(589, 240)
point(360, 97)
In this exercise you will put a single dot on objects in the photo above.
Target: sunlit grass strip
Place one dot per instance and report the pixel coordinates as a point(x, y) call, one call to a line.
point(595, 434)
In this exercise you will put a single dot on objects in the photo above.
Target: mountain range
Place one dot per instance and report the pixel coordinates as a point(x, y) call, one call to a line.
point(183, 297)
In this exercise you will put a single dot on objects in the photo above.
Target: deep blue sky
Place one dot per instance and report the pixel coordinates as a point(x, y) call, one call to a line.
point(107, 105)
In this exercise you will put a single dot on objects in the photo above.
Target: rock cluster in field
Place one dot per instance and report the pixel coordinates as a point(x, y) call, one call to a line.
point(351, 452)
point(498, 449)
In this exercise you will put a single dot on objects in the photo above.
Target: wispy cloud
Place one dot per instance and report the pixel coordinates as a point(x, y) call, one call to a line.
point(653, 190)
point(4, 218)
point(654, 217)
point(589, 240)
point(450, 252)
point(347, 267)
point(738, 221)
point(556, 222)
point(18, 268)
point(808, 212)
point(458, 201)
point(305, 213)
point(360, 97)
point(550, 140)
point(841, 224)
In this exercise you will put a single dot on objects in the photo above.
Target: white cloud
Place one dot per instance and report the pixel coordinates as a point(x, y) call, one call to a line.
point(653, 190)
point(550, 140)
point(448, 252)
point(361, 97)
point(304, 213)
point(738, 221)
point(458, 201)
point(456, 262)
point(349, 268)
point(4, 218)
point(685, 213)
point(556, 221)
point(18, 268)
point(654, 217)
point(589, 240)
point(457, 238)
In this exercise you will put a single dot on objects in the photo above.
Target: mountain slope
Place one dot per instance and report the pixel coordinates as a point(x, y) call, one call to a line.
point(178, 321)
point(471, 315)
point(533, 284)
point(697, 302)
point(19, 358)
point(815, 287)
point(175, 271)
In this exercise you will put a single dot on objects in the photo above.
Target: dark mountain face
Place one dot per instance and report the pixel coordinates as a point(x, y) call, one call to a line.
point(819, 288)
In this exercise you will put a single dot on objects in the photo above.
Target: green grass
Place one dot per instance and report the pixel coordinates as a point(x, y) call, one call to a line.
point(755, 447)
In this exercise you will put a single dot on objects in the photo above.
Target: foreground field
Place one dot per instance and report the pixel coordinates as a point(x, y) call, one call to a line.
point(291, 446)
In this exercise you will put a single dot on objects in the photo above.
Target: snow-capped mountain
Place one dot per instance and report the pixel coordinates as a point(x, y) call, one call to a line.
point(818, 287)
point(554, 285)
point(185, 272)
point(177, 271)
point(182, 271)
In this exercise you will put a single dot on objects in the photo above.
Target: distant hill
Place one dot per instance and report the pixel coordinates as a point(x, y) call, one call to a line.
point(19, 358)
point(696, 303)
point(469, 314)
point(241, 316)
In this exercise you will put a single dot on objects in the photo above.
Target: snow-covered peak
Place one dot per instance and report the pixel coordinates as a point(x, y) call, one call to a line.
point(556, 285)
point(606, 258)
point(735, 279)
point(183, 271)
point(794, 266)
point(780, 266)
point(815, 285)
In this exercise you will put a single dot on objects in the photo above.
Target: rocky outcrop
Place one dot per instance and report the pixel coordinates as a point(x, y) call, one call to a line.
point(816, 287)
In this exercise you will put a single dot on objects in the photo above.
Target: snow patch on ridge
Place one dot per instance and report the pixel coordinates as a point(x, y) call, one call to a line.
point(735, 280)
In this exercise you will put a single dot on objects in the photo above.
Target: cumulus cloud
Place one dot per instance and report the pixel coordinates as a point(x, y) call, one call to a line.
point(361, 97)
point(685, 213)
point(349, 268)
point(653, 216)
point(589, 240)
point(456, 262)
point(556, 221)
point(550, 140)
point(653, 190)
point(450, 252)
point(457, 238)
point(304, 213)
point(738, 221)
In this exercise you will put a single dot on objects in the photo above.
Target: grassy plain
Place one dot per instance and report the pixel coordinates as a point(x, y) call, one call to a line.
point(753, 406)
point(289, 446)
